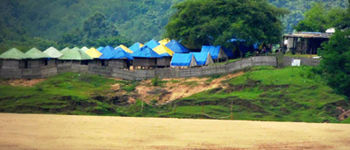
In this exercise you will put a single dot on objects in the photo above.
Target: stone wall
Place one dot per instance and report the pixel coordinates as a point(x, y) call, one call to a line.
point(11, 69)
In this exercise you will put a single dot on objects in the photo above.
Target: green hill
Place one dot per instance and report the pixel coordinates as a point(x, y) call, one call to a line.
point(137, 20)
point(262, 93)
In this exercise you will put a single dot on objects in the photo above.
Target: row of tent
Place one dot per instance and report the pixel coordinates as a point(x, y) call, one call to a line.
point(180, 55)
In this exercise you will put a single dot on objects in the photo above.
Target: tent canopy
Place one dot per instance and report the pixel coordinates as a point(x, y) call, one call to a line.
point(34, 53)
point(164, 41)
point(75, 54)
point(12, 53)
point(120, 54)
point(65, 49)
point(100, 48)
point(108, 53)
point(214, 51)
point(146, 52)
point(181, 60)
point(53, 52)
point(176, 47)
point(201, 58)
point(84, 48)
point(136, 46)
point(161, 50)
point(152, 44)
point(123, 47)
point(93, 53)
point(229, 53)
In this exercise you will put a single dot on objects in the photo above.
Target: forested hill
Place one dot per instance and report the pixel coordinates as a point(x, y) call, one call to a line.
point(137, 20)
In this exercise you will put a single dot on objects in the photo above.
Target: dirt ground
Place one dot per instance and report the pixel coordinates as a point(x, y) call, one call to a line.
point(41, 132)
point(22, 82)
point(175, 89)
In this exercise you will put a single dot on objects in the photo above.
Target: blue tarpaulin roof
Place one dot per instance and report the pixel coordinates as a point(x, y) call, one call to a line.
point(176, 47)
point(213, 50)
point(152, 44)
point(146, 52)
point(229, 53)
point(181, 59)
point(121, 54)
point(201, 57)
point(108, 53)
point(100, 48)
point(135, 47)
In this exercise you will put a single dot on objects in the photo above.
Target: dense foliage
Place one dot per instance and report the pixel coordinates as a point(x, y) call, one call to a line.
point(335, 64)
point(208, 22)
point(28, 23)
point(320, 18)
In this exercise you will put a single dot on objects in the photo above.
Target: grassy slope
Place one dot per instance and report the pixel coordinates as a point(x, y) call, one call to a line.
point(263, 93)
point(290, 94)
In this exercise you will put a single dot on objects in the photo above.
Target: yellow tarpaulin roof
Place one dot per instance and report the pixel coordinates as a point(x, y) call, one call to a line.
point(161, 49)
point(93, 53)
point(164, 41)
point(126, 49)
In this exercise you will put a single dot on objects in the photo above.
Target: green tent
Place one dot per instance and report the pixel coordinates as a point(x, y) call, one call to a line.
point(84, 48)
point(53, 52)
point(13, 53)
point(75, 54)
point(65, 49)
point(34, 53)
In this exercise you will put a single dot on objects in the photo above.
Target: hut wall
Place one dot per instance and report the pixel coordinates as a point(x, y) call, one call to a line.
point(163, 62)
point(49, 69)
point(144, 62)
point(10, 69)
point(95, 67)
point(118, 64)
point(77, 66)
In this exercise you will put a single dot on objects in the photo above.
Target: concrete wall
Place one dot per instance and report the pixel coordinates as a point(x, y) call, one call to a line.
point(10, 68)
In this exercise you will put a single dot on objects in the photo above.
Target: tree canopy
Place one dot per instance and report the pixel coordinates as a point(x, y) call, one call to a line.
point(202, 22)
point(335, 63)
point(320, 18)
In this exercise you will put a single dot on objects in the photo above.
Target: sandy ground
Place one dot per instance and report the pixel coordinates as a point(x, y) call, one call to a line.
point(41, 132)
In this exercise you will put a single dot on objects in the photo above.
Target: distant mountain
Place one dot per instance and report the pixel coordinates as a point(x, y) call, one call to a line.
point(138, 20)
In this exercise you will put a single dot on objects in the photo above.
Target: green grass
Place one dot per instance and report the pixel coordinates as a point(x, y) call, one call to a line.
point(262, 93)
point(266, 93)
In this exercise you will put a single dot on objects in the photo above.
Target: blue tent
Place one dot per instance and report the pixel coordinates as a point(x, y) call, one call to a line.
point(146, 52)
point(176, 47)
point(182, 60)
point(214, 51)
point(136, 46)
point(201, 58)
point(152, 44)
point(229, 53)
point(121, 54)
point(100, 48)
point(108, 53)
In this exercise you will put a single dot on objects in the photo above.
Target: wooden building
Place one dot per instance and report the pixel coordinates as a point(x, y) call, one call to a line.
point(305, 42)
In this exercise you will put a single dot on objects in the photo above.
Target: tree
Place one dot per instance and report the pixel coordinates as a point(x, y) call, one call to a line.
point(319, 18)
point(198, 22)
point(335, 63)
point(345, 24)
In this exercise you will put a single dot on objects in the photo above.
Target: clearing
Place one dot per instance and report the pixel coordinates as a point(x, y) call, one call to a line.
point(31, 131)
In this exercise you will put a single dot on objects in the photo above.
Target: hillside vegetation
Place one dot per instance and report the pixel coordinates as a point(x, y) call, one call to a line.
point(30, 23)
point(261, 93)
